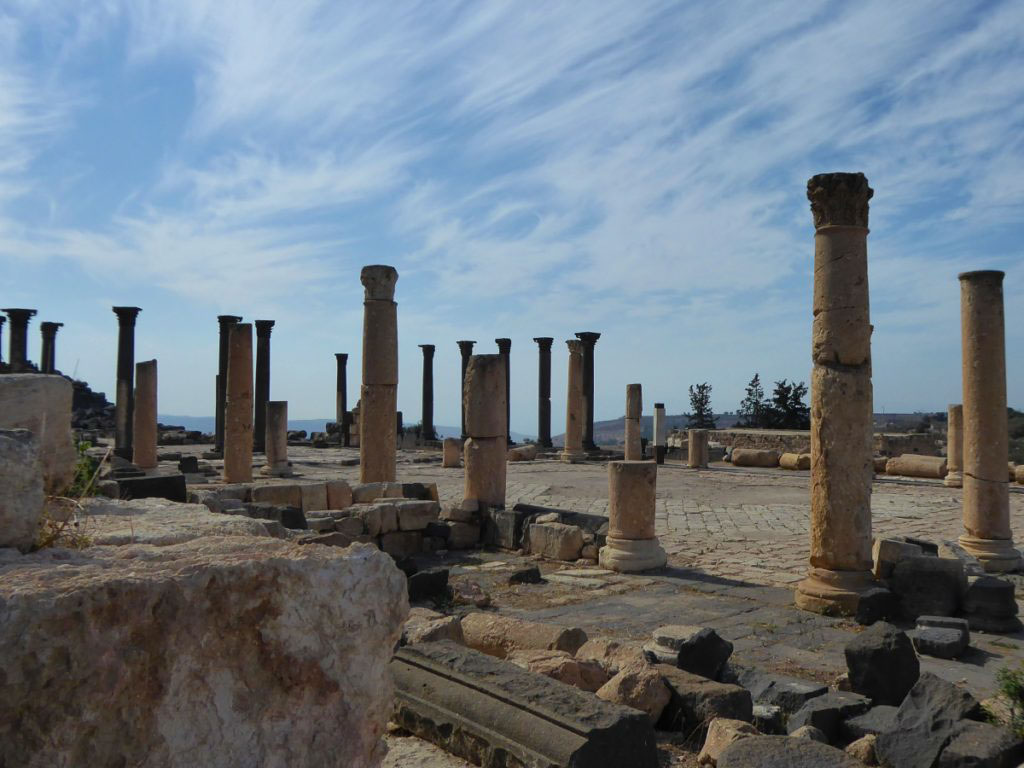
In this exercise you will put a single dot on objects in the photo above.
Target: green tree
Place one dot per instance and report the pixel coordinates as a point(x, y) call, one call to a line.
point(787, 409)
point(753, 410)
point(701, 416)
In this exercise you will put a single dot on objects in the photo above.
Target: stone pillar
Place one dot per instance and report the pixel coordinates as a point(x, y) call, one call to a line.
point(427, 422)
point(18, 356)
point(341, 398)
point(841, 398)
point(48, 353)
point(634, 408)
point(451, 453)
point(660, 433)
point(505, 350)
point(955, 447)
point(697, 449)
point(238, 406)
point(631, 544)
point(225, 322)
point(125, 398)
point(276, 439)
point(986, 504)
point(2, 321)
point(144, 429)
point(379, 393)
point(263, 330)
point(485, 448)
point(575, 408)
point(589, 339)
point(465, 349)
point(544, 391)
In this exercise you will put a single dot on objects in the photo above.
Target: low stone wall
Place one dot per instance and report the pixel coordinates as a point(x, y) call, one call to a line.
point(799, 441)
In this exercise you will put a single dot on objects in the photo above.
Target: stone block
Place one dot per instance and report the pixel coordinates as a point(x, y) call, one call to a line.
point(699, 650)
point(170, 487)
point(288, 495)
point(339, 494)
point(783, 752)
point(610, 653)
point(640, 687)
point(522, 453)
point(314, 497)
point(556, 541)
point(754, 457)
point(415, 515)
point(882, 664)
point(981, 744)
point(353, 526)
point(402, 544)
point(42, 405)
point(721, 733)
point(916, 465)
point(364, 493)
point(463, 536)
point(451, 453)
point(21, 489)
point(768, 718)
point(427, 584)
point(931, 586)
point(458, 512)
point(696, 700)
point(876, 720)
point(290, 517)
point(810, 732)
point(863, 749)
point(795, 461)
point(321, 524)
point(789, 693)
point(990, 596)
point(504, 528)
point(585, 674)
point(426, 626)
point(500, 635)
point(335, 539)
point(877, 604)
point(828, 712)
point(885, 553)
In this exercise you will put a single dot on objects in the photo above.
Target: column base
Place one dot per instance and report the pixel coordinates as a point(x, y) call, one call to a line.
point(631, 555)
point(995, 555)
point(832, 593)
point(573, 457)
point(954, 480)
point(278, 471)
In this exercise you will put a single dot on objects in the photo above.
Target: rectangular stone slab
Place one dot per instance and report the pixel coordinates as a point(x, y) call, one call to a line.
point(491, 712)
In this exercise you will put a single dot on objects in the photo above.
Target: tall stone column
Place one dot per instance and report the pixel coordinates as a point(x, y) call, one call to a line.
point(505, 350)
point(124, 413)
point(378, 431)
point(2, 321)
point(634, 409)
point(575, 408)
point(955, 447)
point(427, 422)
point(660, 433)
point(544, 391)
point(341, 398)
point(589, 339)
point(263, 330)
point(465, 349)
point(697, 449)
point(986, 504)
point(144, 429)
point(225, 322)
point(18, 356)
point(486, 446)
point(841, 398)
point(48, 353)
point(276, 439)
point(238, 420)
point(631, 544)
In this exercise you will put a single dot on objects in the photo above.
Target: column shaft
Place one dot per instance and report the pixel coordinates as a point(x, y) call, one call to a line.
point(544, 391)
point(276, 439)
point(238, 416)
point(144, 428)
point(18, 356)
point(427, 422)
point(124, 413)
point(378, 431)
point(505, 350)
point(225, 322)
point(634, 411)
point(263, 331)
point(589, 339)
point(697, 449)
point(465, 349)
point(341, 397)
point(486, 446)
point(955, 447)
point(575, 410)
point(632, 544)
point(48, 353)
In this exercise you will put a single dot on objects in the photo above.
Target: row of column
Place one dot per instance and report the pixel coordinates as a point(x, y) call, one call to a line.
point(17, 358)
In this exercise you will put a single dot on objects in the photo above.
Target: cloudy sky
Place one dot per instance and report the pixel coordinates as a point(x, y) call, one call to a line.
point(636, 168)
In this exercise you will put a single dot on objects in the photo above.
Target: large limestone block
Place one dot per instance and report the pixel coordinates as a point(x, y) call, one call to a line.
point(42, 405)
point(216, 652)
point(485, 398)
point(451, 455)
point(914, 465)
point(754, 457)
point(556, 541)
point(500, 635)
point(21, 489)
point(485, 470)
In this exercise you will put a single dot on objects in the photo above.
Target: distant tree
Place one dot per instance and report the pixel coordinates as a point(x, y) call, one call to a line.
point(753, 410)
point(787, 409)
point(700, 416)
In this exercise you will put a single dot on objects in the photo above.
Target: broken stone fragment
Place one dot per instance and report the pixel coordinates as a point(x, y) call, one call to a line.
point(699, 650)
point(828, 712)
point(930, 586)
point(721, 733)
point(42, 405)
point(754, 457)
point(863, 749)
point(500, 635)
point(882, 664)
point(783, 752)
point(610, 653)
point(640, 687)
point(584, 674)
point(916, 465)
point(810, 732)
point(556, 541)
point(424, 626)
point(696, 700)
point(21, 489)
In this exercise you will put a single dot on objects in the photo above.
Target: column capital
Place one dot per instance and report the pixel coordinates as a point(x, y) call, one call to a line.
point(228, 320)
point(19, 315)
point(465, 346)
point(428, 349)
point(575, 346)
point(50, 327)
point(341, 356)
point(659, 405)
point(588, 337)
point(544, 342)
point(379, 282)
point(2, 320)
point(839, 199)
point(982, 275)
point(263, 328)
point(504, 345)
point(125, 315)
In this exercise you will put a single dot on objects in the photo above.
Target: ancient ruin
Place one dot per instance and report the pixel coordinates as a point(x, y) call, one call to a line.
point(575, 406)
point(238, 406)
point(379, 392)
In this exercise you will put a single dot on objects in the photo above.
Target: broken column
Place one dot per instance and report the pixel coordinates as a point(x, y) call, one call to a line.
point(18, 356)
point(575, 408)
point(589, 339)
point(986, 496)
point(505, 349)
point(697, 449)
point(427, 422)
point(48, 353)
point(465, 349)
point(484, 453)
point(238, 406)
point(634, 409)
point(125, 397)
point(276, 439)
point(841, 400)
point(379, 393)
point(144, 429)
point(263, 330)
point(225, 322)
point(660, 429)
point(631, 544)
point(955, 447)
point(544, 391)
point(341, 398)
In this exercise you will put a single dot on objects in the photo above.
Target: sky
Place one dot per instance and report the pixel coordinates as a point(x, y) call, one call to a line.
point(635, 168)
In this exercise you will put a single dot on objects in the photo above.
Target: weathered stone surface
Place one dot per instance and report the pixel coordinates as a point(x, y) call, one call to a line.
point(451, 456)
point(695, 700)
point(415, 515)
point(795, 461)
point(981, 744)
point(584, 674)
point(463, 536)
point(990, 604)
point(42, 405)
point(828, 712)
point(500, 635)
point(21, 489)
point(930, 586)
point(699, 650)
point(877, 604)
point(768, 718)
point(810, 732)
point(339, 494)
point(522, 453)
point(314, 497)
point(289, 517)
point(640, 687)
point(505, 527)
point(783, 752)
point(941, 642)
point(425, 626)
point(873, 722)
point(470, 593)
point(610, 653)
point(915, 465)
point(863, 749)
point(161, 523)
point(402, 544)
point(882, 664)
point(171, 487)
point(722, 732)
point(556, 541)
point(220, 651)
point(289, 495)
point(754, 457)
point(789, 693)
point(885, 553)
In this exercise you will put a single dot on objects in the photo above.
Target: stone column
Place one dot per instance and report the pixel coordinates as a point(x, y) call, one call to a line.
point(378, 432)
point(2, 321)
point(660, 433)
point(238, 406)
point(427, 422)
point(841, 398)
point(341, 398)
point(634, 409)
point(505, 350)
point(986, 504)
point(18, 357)
point(125, 398)
point(263, 330)
point(575, 408)
point(485, 448)
point(955, 447)
point(631, 544)
point(697, 449)
point(465, 349)
point(225, 322)
point(276, 439)
point(589, 339)
point(144, 429)
point(48, 353)
point(544, 391)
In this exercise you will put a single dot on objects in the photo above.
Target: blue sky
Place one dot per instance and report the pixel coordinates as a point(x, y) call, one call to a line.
point(532, 169)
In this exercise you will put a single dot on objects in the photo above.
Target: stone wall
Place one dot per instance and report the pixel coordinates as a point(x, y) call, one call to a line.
point(799, 441)
point(42, 405)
